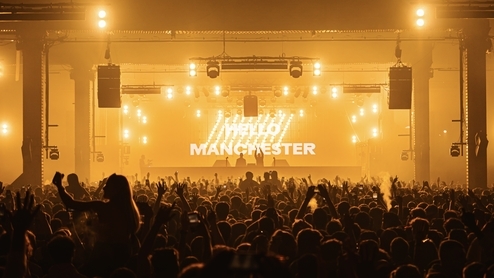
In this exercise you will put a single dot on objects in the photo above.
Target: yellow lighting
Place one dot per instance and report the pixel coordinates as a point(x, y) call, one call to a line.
point(144, 140)
point(169, 95)
point(192, 66)
point(374, 108)
point(102, 23)
point(187, 90)
point(169, 90)
point(198, 113)
point(139, 113)
point(334, 90)
point(445, 131)
point(362, 111)
point(354, 119)
point(420, 22)
point(317, 65)
point(354, 139)
point(301, 113)
point(126, 133)
point(334, 94)
point(144, 120)
point(374, 132)
point(192, 73)
point(420, 12)
point(285, 91)
point(314, 90)
point(317, 72)
point(102, 14)
point(5, 129)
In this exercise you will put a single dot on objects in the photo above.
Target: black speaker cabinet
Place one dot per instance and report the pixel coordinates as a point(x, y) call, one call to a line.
point(400, 88)
point(109, 86)
point(251, 109)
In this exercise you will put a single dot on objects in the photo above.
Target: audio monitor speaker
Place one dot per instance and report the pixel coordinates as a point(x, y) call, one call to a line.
point(400, 88)
point(109, 86)
point(251, 108)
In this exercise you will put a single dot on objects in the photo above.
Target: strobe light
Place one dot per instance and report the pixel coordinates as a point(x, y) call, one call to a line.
point(454, 151)
point(213, 69)
point(296, 69)
point(54, 154)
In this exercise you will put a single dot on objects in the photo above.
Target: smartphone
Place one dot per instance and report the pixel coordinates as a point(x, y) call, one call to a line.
point(224, 186)
point(374, 195)
point(245, 262)
point(194, 218)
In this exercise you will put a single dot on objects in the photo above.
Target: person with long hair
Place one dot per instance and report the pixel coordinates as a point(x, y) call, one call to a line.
point(118, 221)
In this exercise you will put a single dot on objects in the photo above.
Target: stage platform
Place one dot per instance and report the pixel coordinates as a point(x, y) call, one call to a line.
point(317, 172)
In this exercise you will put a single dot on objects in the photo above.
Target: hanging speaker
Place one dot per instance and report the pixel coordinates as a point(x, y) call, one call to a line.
point(109, 86)
point(400, 88)
point(251, 108)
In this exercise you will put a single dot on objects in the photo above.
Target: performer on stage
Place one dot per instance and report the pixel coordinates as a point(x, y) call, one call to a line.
point(259, 155)
point(241, 162)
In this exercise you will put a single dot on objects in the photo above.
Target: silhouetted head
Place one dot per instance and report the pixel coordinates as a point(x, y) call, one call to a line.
point(249, 175)
point(241, 155)
point(73, 179)
point(61, 249)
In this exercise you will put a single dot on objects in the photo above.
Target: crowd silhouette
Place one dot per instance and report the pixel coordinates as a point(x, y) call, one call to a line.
point(252, 227)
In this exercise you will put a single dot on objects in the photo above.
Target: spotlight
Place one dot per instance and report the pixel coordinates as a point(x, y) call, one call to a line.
point(102, 14)
point(100, 157)
point(187, 90)
point(217, 90)
point(102, 23)
point(454, 151)
point(126, 133)
point(296, 69)
point(144, 140)
point(285, 90)
point(314, 90)
point(420, 17)
point(298, 92)
point(213, 69)
point(198, 113)
point(54, 153)
point(277, 93)
point(317, 69)
point(420, 12)
point(205, 91)
point(404, 155)
point(5, 129)
point(192, 70)
point(420, 22)
point(240, 102)
point(301, 113)
point(354, 139)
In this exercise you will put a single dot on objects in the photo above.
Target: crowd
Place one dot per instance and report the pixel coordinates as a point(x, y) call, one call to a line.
point(255, 227)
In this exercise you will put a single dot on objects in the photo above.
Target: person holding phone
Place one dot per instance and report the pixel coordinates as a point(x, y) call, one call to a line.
point(118, 222)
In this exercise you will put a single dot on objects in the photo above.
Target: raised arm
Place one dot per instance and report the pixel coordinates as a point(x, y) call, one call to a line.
point(325, 195)
point(310, 193)
point(69, 202)
point(180, 193)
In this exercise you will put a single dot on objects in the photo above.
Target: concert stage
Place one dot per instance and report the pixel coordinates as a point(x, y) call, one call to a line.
point(317, 172)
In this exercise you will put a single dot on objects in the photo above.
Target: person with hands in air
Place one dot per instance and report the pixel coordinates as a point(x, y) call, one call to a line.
point(117, 225)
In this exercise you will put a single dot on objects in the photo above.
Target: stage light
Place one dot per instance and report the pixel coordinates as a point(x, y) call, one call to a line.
point(285, 90)
point(187, 90)
point(139, 113)
point(5, 129)
point(192, 70)
point(213, 69)
point(217, 90)
point(126, 133)
point(102, 23)
point(144, 139)
point(420, 12)
point(298, 92)
point(404, 156)
point(144, 120)
point(126, 109)
point(374, 132)
point(374, 108)
point(354, 119)
point(198, 113)
point(354, 139)
point(454, 151)
point(301, 113)
point(334, 92)
point(277, 92)
point(362, 112)
point(317, 69)
point(169, 93)
point(54, 154)
point(420, 22)
point(314, 90)
point(102, 14)
point(100, 157)
point(445, 131)
point(225, 93)
point(296, 69)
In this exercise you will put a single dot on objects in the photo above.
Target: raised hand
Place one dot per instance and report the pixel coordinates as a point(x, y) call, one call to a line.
point(184, 221)
point(468, 219)
point(399, 200)
point(211, 217)
point(180, 189)
point(23, 217)
point(161, 187)
point(310, 192)
point(164, 214)
point(270, 201)
point(323, 191)
point(463, 200)
point(57, 179)
point(194, 197)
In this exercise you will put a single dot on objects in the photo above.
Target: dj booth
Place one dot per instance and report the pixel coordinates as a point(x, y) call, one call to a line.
point(224, 171)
